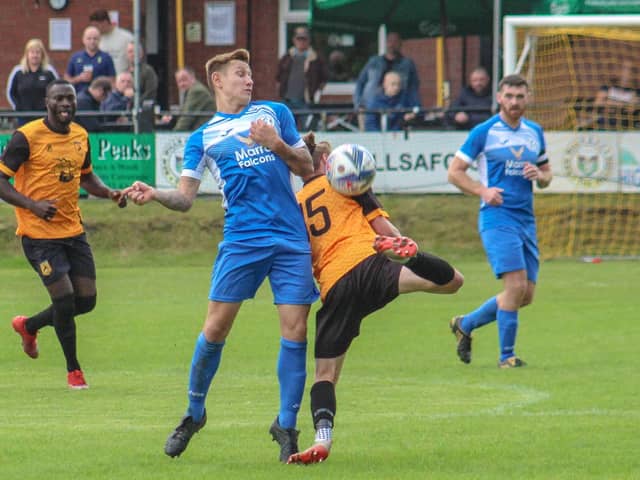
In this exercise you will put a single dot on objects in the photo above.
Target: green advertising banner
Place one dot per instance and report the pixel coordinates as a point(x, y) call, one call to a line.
point(568, 7)
point(119, 159)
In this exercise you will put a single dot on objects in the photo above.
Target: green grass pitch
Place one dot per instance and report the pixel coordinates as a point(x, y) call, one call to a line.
point(407, 408)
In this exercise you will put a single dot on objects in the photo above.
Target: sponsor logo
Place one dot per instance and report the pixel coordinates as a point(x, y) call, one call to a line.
point(588, 161)
point(517, 153)
point(246, 140)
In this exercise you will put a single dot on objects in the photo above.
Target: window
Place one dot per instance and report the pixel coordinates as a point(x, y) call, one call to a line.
point(346, 53)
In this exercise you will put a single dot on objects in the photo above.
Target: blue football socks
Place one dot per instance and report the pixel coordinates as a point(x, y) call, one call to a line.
point(292, 373)
point(204, 365)
point(484, 314)
point(507, 330)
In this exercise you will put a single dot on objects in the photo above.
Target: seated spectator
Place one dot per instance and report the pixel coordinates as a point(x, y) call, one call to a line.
point(195, 98)
point(616, 104)
point(113, 39)
point(90, 99)
point(370, 78)
point(338, 67)
point(391, 97)
point(473, 105)
point(120, 98)
point(27, 84)
point(89, 63)
point(147, 77)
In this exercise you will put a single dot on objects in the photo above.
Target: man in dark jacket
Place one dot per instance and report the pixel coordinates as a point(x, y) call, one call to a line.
point(302, 74)
point(473, 105)
point(90, 100)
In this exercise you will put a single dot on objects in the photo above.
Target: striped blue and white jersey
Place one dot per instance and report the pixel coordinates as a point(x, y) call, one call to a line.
point(255, 183)
point(501, 153)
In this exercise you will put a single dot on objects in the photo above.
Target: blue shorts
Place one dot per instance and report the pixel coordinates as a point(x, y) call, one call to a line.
point(512, 248)
point(239, 270)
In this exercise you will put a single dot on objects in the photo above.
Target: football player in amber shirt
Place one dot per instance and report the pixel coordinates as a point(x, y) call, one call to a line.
point(352, 241)
point(49, 160)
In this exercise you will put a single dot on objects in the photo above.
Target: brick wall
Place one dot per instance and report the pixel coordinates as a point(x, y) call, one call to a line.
point(256, 29)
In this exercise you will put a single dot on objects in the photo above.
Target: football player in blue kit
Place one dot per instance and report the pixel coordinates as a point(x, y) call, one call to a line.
point(251, 148)
point(511, 154)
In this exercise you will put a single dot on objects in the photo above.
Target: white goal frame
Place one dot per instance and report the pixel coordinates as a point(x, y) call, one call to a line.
point(512, 22)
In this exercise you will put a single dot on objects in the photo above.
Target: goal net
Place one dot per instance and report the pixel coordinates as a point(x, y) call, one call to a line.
point(584, 74)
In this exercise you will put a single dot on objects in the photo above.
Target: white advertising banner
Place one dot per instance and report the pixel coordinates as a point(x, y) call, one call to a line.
point(169, 154)
point(418, 162)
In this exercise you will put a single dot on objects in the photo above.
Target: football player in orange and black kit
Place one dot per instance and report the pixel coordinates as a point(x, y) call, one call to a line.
point(49, 160)
point(353, 246)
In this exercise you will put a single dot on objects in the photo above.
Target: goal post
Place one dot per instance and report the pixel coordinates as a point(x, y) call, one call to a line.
point(584, 76)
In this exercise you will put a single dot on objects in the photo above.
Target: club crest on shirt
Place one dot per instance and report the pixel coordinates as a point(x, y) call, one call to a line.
point(45, 268)
point(65, 170)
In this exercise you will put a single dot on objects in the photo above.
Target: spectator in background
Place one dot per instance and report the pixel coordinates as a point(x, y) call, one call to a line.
point(473, 105)
point(89, 63)
point(148, 79)
point(391, 97)
point(616, 104)
point(120, 98)
point(27, 83)
point(338, 67)
point(113, 39)
point(370, 78)
point(90, 100)
point(302, 74)
point(195, 98)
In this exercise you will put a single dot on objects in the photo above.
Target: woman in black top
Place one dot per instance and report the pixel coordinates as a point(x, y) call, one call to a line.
point(26, 87)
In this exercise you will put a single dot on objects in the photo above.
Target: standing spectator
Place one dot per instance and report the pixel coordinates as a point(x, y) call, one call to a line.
point(370, 79)
point(49, 160)
point(511, 154)
point(392, 97)
point(476, 97)
point(113, 39)
point(90, 99)
point(195, 98)
point(27, 83)
point(251, 148)
point(120, 98)
point(148, 79)
point(302, 74)
point(89, 63)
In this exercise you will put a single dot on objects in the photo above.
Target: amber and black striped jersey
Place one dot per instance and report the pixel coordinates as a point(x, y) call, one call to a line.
point(47, 165)
point(338, 227)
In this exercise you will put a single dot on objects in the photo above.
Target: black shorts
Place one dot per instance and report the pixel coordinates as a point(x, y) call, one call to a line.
point(368, 287)
point(54, 258)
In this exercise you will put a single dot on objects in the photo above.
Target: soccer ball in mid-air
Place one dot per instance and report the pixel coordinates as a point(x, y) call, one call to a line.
point(351, 169)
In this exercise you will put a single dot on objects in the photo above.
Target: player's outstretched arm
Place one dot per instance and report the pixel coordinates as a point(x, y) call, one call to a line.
point(94, 186)
point(180, 199)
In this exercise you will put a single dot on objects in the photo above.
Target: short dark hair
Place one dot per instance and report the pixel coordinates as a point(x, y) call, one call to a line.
point(100, 16)
point(102, 82)
point(513, 80)
point(57, 81)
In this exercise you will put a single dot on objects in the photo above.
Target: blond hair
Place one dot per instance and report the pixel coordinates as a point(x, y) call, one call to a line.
point(219, 62)
point(34, 43)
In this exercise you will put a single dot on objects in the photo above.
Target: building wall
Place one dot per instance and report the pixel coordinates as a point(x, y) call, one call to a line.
point(257, 27)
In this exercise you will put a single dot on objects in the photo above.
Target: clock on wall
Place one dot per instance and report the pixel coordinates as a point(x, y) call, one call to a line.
point(58, 4)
